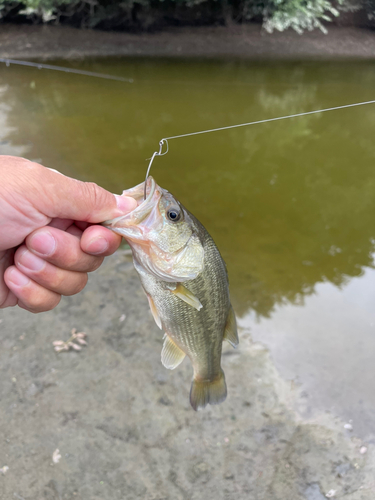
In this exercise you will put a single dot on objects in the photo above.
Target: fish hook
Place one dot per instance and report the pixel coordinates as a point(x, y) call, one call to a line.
point(157, 153)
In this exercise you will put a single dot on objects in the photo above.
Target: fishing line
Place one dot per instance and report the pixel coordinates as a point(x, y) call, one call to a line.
point(8, 62)
point(166, 139)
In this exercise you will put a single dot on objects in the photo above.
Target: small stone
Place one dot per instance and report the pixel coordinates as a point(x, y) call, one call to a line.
point(331, 494)
point(363, 450)
point(122, 318)
point(201, 468)
point(348, 427)
point(4, 469)
point(32, 390)
point(56, 456)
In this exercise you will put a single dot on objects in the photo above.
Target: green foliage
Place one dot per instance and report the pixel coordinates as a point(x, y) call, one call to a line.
point(370, 9)
point(300, 15)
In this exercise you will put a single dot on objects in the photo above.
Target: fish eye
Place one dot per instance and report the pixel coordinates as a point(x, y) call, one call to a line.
point(174, 214)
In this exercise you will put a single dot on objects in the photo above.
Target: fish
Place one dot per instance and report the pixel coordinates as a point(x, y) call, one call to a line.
point(186, 283)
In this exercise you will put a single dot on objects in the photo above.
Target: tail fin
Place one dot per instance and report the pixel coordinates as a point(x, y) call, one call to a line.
point(204, 392)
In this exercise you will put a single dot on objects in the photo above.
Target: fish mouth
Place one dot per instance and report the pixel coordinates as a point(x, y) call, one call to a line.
point(126, 225)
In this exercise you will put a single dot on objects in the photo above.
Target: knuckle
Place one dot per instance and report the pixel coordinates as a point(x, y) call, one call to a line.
point(56, 280)
point(96, 263)
point(94, 193)
point(40, 302)
point(78, 286)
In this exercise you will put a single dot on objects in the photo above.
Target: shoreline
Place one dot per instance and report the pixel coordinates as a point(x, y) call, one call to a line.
point(247, 42)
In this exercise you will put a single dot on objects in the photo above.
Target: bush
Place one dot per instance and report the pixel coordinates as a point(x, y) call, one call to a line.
point(369, 5)
point(300, 15)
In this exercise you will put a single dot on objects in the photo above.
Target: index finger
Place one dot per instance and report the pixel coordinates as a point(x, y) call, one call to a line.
point(98, 240)
point(61, 249)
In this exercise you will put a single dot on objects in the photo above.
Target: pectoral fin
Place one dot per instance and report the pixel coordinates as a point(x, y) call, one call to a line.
point(230, 333)
point(184, 294)
point(154, 311)
point(171, 355)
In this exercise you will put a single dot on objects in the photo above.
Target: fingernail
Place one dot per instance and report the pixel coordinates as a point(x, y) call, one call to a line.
point(125, 203)
point(31, 261)
point(17, 278)
point(97, 246)
point(43, 242)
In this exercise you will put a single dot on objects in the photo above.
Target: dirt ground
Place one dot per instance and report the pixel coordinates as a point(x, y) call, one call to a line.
point(123, 426)
point(247, 41)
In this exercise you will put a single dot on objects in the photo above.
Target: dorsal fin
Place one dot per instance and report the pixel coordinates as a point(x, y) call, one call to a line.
point(230, 333)
point(171, 355)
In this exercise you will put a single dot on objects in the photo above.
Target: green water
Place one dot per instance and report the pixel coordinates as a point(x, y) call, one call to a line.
point(290, 204)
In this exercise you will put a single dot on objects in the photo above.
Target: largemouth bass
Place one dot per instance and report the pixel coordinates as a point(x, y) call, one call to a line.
point(186, 283)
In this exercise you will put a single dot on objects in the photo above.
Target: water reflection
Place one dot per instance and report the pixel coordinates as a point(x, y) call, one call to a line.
point(290, 204)
point(326, 349)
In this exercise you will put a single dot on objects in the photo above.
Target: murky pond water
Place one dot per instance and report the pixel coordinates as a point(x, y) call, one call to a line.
point(290, 204)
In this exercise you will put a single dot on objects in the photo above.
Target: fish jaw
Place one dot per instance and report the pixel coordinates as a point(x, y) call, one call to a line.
point(144, 230)
point(129, 226)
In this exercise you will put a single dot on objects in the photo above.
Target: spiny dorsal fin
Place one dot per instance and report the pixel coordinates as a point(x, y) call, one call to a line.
point(171, 355)
point(154, 311)
point(187, 296)
point(230, 333)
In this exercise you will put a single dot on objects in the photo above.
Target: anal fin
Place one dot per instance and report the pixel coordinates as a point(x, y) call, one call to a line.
point(154, 311)
point(230, 333)
point(171, 354)
point(187, 296)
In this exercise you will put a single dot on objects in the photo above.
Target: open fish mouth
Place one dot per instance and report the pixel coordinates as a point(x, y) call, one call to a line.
point(126, 225)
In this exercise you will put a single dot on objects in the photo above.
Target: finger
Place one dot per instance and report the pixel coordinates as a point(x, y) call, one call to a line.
point(75, 231)
point(68, 225)
point(98, 240)
point(62, 250)
point(47, 275)
point(10, 301)
point(72, 199)
point(81, 225)
point(31, 296)
point(62, 224)
point(6, 259)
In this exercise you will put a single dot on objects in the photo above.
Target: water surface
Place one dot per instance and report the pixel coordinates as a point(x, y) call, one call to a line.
point(290, 204)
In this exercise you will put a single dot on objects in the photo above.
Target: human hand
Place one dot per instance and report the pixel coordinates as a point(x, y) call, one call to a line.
point(47, 241)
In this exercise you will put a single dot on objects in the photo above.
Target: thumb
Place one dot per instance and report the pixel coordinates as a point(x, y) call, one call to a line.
point(69, 198)
point(86, 201)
